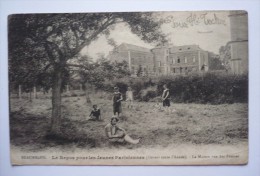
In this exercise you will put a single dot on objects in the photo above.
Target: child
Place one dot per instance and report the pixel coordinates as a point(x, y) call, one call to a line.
point(117, 98)
point(129, 97)
point(95, 113)
point(166, 98)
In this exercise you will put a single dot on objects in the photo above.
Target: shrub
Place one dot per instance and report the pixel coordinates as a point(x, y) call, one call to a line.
point(148, 93)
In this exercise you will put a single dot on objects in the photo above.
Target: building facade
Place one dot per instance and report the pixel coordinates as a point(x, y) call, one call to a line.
point(170, 60)
point(162, 60)
point(138, 58)
point(239, 42)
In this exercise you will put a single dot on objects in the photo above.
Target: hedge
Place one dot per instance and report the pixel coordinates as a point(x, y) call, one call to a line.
point(213, 88)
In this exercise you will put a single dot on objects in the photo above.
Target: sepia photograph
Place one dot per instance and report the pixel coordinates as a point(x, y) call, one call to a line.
point(129, 88)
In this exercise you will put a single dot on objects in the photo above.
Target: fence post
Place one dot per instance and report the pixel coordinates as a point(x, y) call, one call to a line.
point(67, 88)
point(80, 87)
point(34, 93)
point(20, 91)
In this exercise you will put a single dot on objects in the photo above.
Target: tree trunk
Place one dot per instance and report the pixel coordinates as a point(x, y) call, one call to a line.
point(20, 91)
point(56, 103)
point(30, 96)
point(87, 93)
point(67, 88)
point(80, 87)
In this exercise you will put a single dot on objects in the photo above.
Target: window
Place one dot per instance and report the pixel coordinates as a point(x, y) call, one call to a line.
point(173, 70)
point(185, 59)
point(159, 63)
point(167, 58)
point(194, 59)
point(173, 61)
point(178, 60)
point(180, 69)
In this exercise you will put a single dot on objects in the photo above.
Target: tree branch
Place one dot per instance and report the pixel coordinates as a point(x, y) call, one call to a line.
point(93, 36)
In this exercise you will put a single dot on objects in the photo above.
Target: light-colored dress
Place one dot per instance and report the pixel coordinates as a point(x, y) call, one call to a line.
point(129, 95)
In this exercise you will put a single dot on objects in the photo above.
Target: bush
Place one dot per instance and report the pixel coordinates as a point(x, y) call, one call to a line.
point(148, 94)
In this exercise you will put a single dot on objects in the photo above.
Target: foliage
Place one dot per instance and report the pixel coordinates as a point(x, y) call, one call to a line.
point(95, 73)
point(208, 88)
point(45, 44)
point(215, 62)
point(137, 84)
point(213, 88)
point(139, 71)
point(225, 55)
point(42, 43)
point(148, 93)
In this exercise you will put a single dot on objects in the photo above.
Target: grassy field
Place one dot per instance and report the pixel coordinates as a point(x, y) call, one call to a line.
point(196, 124)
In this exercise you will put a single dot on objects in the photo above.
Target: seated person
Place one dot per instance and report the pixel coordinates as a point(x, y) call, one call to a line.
point(117, 134)
point(95, 113)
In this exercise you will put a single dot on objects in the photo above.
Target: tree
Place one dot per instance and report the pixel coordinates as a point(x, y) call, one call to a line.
point(95, 73)
point(139, 72)
point(215, 62)
point(49, 41)
point(225, 56)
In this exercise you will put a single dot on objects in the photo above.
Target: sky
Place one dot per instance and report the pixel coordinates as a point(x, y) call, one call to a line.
point(208, 29)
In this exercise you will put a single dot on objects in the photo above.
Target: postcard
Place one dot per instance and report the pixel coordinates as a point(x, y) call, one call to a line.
point(129, 88)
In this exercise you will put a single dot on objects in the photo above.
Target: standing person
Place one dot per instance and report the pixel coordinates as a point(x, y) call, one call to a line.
point(117, 98)
point(116, 134)
point(166, 97)
point(129, 97)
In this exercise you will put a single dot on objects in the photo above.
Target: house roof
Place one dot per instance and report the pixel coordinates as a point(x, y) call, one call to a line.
point(135, 47)
point(184, 48)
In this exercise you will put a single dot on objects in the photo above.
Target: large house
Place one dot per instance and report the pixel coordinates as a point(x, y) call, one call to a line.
point(180, 59)
point(137, 58)
point(162, 60)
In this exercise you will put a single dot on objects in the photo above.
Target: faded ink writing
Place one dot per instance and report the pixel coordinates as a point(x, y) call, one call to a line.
point(194, 20)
